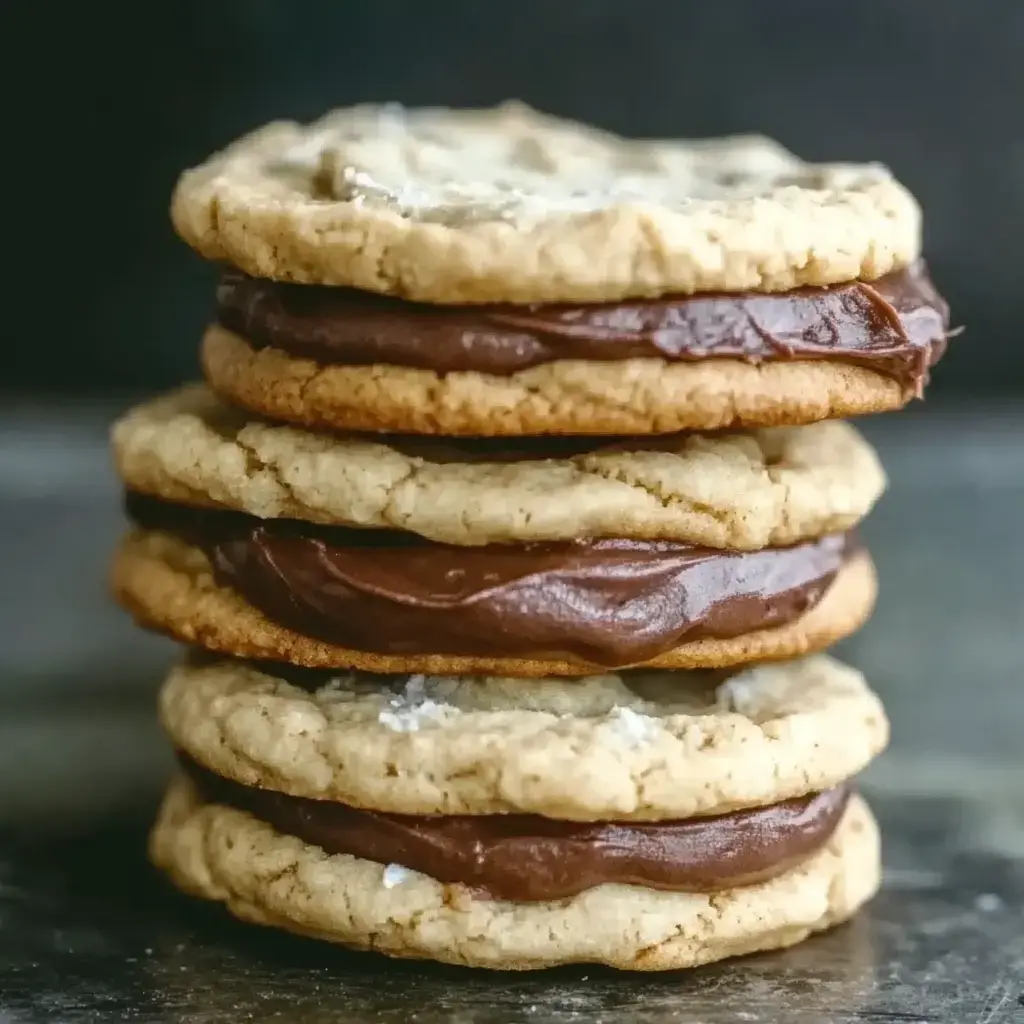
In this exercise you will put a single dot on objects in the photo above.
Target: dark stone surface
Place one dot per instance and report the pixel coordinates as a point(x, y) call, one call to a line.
point(88, 933)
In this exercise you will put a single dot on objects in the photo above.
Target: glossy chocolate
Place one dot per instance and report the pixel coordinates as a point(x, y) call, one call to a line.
point(524, 857)
point(609, 603)
point(896, 325)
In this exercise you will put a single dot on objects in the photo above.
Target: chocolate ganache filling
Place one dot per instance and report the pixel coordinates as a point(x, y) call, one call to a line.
point(525, 857)
point(896, 326)
point(609, 603)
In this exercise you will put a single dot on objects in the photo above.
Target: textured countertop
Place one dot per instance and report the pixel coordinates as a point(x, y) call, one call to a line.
point(87, 933)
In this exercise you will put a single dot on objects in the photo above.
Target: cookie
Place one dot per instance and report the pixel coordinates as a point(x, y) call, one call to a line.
point(511, 205)
point(643, 745)
point(629, 396)
point(772, 486)
point(169, 585)
point(265, 877)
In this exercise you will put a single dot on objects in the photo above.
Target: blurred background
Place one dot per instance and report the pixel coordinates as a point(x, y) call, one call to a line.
point(117, 98)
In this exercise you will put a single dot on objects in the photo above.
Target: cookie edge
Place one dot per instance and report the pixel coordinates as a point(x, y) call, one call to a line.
point(550, 399)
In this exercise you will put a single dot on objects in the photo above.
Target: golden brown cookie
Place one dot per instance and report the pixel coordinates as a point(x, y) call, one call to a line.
point(629, 396)
point(639, 745)
point(511, 205)
point(744, 490)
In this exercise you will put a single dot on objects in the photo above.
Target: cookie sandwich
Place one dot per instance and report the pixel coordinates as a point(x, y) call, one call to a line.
point(508, 531)
point(502, 272)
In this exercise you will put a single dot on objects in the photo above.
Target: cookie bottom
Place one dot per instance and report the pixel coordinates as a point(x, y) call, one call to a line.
point(629, 396)
point(262, 876)
point(168, 585)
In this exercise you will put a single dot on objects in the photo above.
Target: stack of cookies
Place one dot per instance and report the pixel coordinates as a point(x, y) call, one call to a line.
point(507, 531)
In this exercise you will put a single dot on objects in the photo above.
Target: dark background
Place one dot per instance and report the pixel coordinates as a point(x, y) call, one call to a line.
point(105, 103)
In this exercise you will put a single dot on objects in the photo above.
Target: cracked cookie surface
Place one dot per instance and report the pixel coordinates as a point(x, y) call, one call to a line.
point(512, 205)
point(746, 490)
point(641, 745)
point(169, 586)
point(629, 396)
point(268, 878)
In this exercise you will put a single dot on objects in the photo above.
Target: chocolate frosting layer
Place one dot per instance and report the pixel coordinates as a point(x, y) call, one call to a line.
point(896, 325)
point(605, 602)
point(524, 857)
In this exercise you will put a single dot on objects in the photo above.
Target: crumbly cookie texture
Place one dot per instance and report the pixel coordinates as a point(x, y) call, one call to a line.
point(630, 396)
point(511, 205)
point(746, 490)
point(643, 745)
point(264, 877)
point(168, 585)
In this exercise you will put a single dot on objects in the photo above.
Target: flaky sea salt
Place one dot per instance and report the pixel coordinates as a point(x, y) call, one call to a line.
point(395, 874)
point(410, 709)
point(409, 719)
point(744, 692)
point(633, 727)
